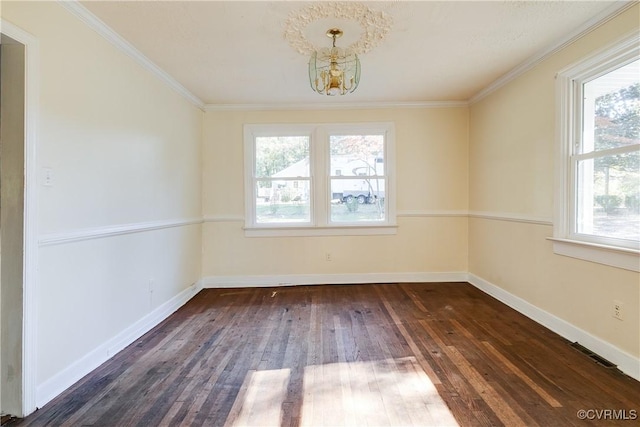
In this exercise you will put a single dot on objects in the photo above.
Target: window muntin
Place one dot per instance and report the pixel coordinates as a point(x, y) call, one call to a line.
point(319, 177)
point(606, 158)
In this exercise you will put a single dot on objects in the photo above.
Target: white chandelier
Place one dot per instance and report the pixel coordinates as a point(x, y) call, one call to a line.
point(334, 71)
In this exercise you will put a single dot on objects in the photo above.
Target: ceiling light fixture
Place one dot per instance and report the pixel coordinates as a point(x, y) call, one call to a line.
point(334, 71)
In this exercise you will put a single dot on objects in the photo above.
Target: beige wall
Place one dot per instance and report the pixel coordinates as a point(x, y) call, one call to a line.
point(125, 151)
point(431, 153)
point(512, 145)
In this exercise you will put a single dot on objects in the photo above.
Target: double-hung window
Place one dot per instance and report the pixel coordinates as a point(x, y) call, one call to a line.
point(598, 199)
point(319, 179)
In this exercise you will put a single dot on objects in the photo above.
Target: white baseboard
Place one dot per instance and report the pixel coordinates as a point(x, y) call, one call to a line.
point(48, 390)
point(329, 279)
point(626, 362)
point(51, 388)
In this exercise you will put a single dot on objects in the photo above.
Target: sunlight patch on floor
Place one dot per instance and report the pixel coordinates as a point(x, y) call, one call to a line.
point(259, 402)
point(392, 392)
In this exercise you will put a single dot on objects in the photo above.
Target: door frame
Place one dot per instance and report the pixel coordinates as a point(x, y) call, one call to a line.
point(30, 255)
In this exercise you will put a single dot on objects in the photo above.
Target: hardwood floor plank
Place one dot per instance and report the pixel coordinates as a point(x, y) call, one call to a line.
point(485, 390)
point(344, 372)
point(535, 387)
point(381, 354)
point(409, 340)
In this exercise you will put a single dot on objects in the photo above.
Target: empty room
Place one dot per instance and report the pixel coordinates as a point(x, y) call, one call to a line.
point(265, 213)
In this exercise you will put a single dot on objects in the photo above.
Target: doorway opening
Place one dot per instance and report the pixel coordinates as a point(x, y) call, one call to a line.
point(19, 64)
point(12, 185)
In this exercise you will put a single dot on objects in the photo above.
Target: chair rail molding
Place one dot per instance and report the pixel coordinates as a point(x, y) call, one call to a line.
point(51, 239)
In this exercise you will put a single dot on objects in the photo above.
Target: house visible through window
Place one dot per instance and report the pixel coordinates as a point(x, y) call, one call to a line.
point(282, 179)
point(319, 177)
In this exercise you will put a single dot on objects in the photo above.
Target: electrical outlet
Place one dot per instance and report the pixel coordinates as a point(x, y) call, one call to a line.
point(327, 256)
point(618, 310)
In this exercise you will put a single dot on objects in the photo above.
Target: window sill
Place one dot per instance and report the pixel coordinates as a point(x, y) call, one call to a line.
point(354, 230)
point(628, 259)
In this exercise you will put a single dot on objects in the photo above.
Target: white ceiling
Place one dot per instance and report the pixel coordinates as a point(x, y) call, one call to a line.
point(234, 52)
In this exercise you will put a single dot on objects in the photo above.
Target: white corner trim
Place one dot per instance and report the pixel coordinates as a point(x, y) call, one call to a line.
point(611, 12)
point(31, 209)
point(335, 106)
point(627, 259)
point(51, 239)
point(511, 217)
point(119, 42)
point(74, 372)
point(626, 362)
point(329, 279)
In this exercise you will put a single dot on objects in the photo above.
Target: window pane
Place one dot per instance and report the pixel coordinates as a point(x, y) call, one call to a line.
point(612, 109)
point(357, 200)
point(357, 155)
point(608, 199)
point(281, 201)
point(282, 156)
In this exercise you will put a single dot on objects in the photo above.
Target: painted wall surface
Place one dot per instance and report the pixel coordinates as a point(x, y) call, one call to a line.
point(124, 150)
point(512, 145)
point(431, 167)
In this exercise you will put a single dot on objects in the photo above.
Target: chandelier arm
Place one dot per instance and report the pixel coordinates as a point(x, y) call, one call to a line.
point(334, 71)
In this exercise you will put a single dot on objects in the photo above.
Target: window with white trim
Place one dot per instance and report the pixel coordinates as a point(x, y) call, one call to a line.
point(319, 179)
point(598, 200)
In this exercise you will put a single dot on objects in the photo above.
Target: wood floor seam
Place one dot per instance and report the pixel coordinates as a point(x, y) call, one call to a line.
point(414, 354)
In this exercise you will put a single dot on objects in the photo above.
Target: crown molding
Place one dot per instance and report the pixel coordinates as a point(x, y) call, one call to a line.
point(606, 15)
point(335, 106)
point(127, 48)
point(105, 31)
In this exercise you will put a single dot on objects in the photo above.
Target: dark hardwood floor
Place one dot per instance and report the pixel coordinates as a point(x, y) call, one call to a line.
point(396, 354)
